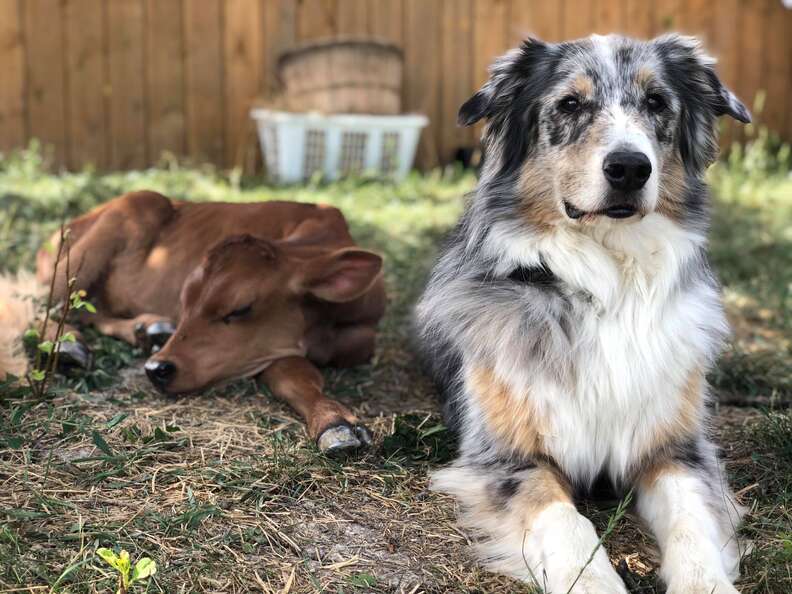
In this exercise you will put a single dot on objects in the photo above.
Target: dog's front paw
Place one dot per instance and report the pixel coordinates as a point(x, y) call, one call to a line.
point(593, 580)
point(701, 584)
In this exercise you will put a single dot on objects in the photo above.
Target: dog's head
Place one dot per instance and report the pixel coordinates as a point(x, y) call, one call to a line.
point(243, 307)
point(601, 128)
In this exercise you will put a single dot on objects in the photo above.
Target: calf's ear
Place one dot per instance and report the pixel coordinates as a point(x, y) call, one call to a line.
point(340, 276)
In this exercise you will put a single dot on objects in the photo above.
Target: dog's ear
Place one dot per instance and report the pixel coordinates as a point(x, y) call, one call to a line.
point(505, 73)
point(691, 66)
point(728, 103)
point(703, 97)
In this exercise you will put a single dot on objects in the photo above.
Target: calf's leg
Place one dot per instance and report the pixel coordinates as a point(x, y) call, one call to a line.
point(298, 382)
point(150, 331)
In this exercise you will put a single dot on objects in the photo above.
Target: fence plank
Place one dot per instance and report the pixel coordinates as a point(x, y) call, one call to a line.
point(387, 20)
point(243, 68)
point(536, 18)
point(610, 16)
point(165, 78)
point(46, 79)
point(578, 19)
point(422, 61)
point(86, 124)
point(353, 17)
point(638, 21)
point(727, 52)
point(204, 101)
point(456, 85)
point(778, 67)
point(489, 41)
point(125, 19)
point(316, 19)
point(13, 131)
point(666, 16)
point(696, 19)
point(280, 34)
point(751, 40)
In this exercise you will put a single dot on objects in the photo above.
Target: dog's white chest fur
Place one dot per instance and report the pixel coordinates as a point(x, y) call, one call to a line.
point(638, 333)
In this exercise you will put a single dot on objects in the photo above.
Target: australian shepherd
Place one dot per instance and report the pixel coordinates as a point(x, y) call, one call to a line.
point(572, 318)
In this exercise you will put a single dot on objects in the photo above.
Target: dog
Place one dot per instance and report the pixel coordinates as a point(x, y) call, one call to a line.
point(267, 290)
point(572, 316)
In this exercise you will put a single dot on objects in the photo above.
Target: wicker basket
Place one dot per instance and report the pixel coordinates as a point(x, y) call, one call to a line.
point(359, 76)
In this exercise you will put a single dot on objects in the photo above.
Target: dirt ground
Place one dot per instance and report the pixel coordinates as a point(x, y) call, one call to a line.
point(226, 494)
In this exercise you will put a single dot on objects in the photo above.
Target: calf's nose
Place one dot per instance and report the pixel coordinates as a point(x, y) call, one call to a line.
point(160, 372)
point(627, 170)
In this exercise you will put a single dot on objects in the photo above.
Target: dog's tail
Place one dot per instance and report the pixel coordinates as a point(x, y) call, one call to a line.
point(18, 296)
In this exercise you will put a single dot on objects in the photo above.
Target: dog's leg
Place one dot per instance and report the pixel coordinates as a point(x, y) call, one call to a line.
point(694, 516)
point(298, 382)
point(528, 527)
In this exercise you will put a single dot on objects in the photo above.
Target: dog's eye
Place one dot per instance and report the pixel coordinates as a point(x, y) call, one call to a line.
point(655, 103)
point(237, 314)
point(569, 104)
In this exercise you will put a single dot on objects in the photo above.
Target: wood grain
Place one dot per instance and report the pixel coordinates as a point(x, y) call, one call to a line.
point(165, 78)
point(243, 73)
point(46, 79)
point(13, 129)
point(204, 80)
point(126, 43)
point(86, 123)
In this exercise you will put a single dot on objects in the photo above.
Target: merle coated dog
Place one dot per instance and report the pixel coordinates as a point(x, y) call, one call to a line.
point(572, 317)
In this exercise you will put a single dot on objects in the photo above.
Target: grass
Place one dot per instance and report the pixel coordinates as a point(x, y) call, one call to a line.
point(224, 491)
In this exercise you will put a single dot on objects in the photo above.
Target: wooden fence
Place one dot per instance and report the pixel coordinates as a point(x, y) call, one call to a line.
point(117, 82)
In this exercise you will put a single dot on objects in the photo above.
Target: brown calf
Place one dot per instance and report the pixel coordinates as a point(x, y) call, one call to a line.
point(266, 290)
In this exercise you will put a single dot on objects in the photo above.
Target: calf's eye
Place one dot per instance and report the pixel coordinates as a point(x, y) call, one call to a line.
point(238, 314)
point(569, 104)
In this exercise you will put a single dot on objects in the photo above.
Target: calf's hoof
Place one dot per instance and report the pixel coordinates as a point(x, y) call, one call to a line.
point(343, 440)
point(152, 337)
point(73, 355)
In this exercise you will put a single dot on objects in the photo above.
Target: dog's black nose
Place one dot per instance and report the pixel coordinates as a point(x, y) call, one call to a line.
point(160, 372)
point(627, 170)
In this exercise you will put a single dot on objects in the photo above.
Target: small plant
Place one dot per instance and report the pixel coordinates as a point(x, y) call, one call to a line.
point(47, 351)
point(128, 576)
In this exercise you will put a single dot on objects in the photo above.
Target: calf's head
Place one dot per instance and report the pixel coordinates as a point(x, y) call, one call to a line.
point(245, 305)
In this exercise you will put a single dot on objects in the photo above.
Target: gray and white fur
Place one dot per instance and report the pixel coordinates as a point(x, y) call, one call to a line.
point(572, 316)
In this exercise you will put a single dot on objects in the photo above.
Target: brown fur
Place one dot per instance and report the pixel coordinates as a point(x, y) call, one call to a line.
point(511, 417)
point(315, 297)
point(583, 85)
point(671, 200)
point(537, 207)
point(542, 487)
point(686, 423)
point(645, 76)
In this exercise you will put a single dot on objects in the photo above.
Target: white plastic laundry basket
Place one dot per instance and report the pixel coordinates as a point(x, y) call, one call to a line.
point(297, 145)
